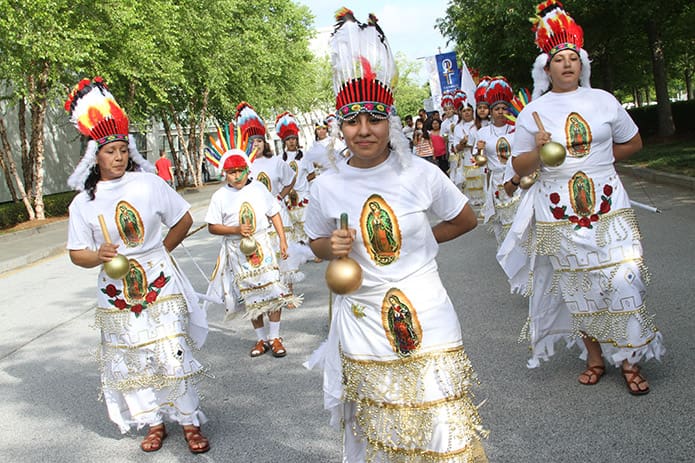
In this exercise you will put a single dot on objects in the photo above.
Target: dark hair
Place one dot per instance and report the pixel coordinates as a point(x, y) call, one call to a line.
point(299, 155)
point(90, 185)
point(267, 152)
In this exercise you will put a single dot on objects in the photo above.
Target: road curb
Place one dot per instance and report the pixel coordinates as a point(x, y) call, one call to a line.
point(14, 263)
point(655, 176)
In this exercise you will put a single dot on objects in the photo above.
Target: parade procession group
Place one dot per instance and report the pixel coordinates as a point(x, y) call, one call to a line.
point(537, 168)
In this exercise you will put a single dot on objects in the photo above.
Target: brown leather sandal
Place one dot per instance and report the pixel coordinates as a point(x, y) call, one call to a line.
point(593, 374)
point(197, 443)
point(260, 348)
point(277, 348)
point(633, 377)
point(154, 438)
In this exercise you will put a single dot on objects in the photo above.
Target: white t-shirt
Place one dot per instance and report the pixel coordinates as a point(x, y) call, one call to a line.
point(498, 146)
point(303, 168)
point(142, 201)
point(447, 129)
point(404, 196)
point(273, 172)
point(595, 109)
point(318, 154)
point(134, 208)
point(462, 129)
point(226, 205)
point(587, 122)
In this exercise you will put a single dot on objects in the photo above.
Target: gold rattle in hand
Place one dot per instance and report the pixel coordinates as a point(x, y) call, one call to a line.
point(552, 153)
point(118, 266)
point(343, 275)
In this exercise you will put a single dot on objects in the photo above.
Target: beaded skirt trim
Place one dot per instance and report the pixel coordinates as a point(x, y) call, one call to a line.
point(153, 350)
point(401, 404)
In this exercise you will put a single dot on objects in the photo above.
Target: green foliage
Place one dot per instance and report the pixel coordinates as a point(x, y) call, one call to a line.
point(496, 38)
point(674, 157)
point(56, 205)
point(408, 95)
point(646, 119)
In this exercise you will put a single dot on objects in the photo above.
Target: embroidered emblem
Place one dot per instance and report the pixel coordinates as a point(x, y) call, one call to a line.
point(380, 232)
point(503, 149)
point(582, 202)
point(136, 306)
point(400, 322)
point(129, 224)
point(265, 180)
point(357, 310)
point(578, 135)
point(293, 165)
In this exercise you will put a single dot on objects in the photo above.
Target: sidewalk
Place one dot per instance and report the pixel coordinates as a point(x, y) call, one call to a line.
point(25, 247)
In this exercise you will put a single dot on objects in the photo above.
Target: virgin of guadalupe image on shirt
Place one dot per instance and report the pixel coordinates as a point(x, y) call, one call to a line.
point(503, 150)
point(380, 231)
point(265, 180)
point(129, 224)
point(578, 135)
point(400, 323)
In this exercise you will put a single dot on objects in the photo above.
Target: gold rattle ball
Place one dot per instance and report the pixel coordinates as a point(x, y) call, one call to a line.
point(343, 275)
point(248, 246)
point(527, 181)
point(480, 160)
point(553, 154)
point(117, 267)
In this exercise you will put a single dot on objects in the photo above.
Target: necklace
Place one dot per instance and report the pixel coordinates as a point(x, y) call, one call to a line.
point(494, 132)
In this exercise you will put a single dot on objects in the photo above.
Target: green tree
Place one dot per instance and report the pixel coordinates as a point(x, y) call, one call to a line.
point(41, 43)
point(408, 94)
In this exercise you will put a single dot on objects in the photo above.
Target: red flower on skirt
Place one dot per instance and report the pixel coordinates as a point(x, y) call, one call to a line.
point(160, 281)
point(111, 291)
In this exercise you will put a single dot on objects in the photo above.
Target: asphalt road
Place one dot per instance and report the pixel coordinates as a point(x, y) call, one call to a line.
point(270, 410)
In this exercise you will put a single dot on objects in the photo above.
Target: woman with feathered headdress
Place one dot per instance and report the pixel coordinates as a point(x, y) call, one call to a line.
point(150, 320)
point(575, 246)
point(395, 372)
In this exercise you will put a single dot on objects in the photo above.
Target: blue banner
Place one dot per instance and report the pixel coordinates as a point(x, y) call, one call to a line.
point(448, 70)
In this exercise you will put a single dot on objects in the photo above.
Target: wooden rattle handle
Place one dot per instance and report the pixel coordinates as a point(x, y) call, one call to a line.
point(104, 230)
point(344, 221)
point(539, 123)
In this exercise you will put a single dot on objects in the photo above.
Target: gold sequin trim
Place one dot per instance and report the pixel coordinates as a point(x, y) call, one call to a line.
point(612, 327)
point(399, 416)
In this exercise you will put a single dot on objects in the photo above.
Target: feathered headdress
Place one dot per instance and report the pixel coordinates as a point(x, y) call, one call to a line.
point(499, 91)
point(460, 99)
point(234, 158)
point(519, 102)
point(226, 140)
point(249, 125)
point(96, 115)
point(555, 30)
point(286, 126)
point(481, 89)
point(330, 120)
point(447, 99)
point(233, 137)
point(364, 69)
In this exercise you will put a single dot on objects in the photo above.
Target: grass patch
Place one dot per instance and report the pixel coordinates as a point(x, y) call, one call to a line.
point(677, 157)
